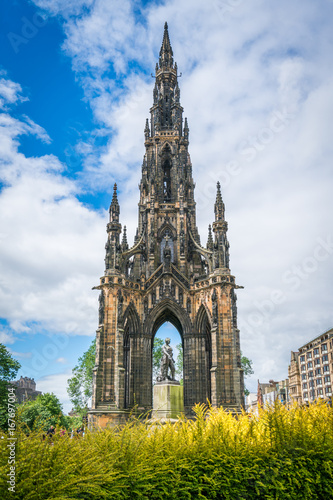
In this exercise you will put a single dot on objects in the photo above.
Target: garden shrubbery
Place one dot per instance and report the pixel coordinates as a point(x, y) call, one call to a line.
point(282, 454)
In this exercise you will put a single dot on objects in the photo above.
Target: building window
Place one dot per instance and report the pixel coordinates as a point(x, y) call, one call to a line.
point(325, 357)
point(319, 392)
point(305, 395)
point(316, 351)
point(317, 371)
point(318, 381)
point(324, 348)
point(309, 355)
point(328, 390)
point(302, 359)
point(311, 383)
point(304, 376)
point(310, 374)
point(312, 394)
point(305, 385)
point(325, 368)
point(327, 378)
point(317, 361)
point(310, 364)
point(303, 368)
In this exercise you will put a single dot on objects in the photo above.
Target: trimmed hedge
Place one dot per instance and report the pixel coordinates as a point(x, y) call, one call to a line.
point(280, 454)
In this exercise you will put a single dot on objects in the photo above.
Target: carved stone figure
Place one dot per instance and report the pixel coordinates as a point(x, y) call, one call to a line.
point(167, 363)
point(188, 305)
point(120, 305)
point(101, 308)
point(214, 307)
point(167, 253)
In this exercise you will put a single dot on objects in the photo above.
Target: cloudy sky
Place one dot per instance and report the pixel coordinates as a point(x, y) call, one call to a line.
point(75, 90)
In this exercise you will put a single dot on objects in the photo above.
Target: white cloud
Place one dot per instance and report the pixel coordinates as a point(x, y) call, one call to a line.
point(56, 383)
point(51, 246)
point(6, 337)
point(10, 92)
point(63, 361)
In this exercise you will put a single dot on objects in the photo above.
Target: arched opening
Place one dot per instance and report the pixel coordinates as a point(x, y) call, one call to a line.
point(167, 330)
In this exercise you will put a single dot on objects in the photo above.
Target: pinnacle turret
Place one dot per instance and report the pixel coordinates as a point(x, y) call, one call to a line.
point(166, 54)
point(219, 205)
point(124, 243)
point(114, 207)
point(147, 131)
point(210, 242)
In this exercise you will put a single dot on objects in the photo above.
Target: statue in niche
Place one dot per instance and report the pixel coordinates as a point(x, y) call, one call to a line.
point(153, 298)
point(101, 308)
point(214, 307)
point(180, 298)
point(173, 290)
point(120, 305)
point(188, 305)
point(167, 363)
point(161, 290)
point(234, 308)
point(167, 252)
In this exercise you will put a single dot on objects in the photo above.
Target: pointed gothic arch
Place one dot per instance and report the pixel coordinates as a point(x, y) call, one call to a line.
point(168, 310)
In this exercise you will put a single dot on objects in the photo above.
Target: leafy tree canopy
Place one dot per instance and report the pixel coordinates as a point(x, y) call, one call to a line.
point(8, 371)
point(79, 386)
point(8, 365)
point(248, 370)
point(44, 411)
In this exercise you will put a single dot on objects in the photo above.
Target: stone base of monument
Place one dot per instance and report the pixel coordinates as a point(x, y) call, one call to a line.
point(168, 400)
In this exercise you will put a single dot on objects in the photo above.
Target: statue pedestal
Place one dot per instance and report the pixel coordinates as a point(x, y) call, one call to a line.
point(168, 400)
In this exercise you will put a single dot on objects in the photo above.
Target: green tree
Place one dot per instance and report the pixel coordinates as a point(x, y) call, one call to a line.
point(8, 371)
point(247, 370)
point(42, 412)
point(179, 363)
point(157, 356)
point(79, 386)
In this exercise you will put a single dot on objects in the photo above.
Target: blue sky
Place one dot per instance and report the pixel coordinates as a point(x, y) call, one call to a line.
point(75, 90)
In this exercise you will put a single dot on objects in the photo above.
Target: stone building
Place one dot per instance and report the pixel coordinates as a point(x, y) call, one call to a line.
point(167, 275)
point(269, 393)
point(25, 389)
point(295, 393)
point(313, 373)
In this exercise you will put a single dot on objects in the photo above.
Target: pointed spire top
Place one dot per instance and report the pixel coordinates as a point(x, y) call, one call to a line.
point(124, 243)
point(218, 194)
point(219, 205)
point(210, 243)
point(147, 129)
point(114, 207)
point(166, 59)
point(114, 196)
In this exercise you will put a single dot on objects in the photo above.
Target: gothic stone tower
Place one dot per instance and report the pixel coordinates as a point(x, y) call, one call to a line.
point(166, 276)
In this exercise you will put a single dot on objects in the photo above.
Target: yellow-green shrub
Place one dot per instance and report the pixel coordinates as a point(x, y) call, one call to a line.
point(281, 453)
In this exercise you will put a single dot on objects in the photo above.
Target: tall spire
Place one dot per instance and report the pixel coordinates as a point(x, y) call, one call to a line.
point(124, 244)
point(210, 242)
point(219, 205)
point(114, 207)
point(166, 54)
